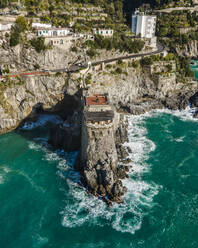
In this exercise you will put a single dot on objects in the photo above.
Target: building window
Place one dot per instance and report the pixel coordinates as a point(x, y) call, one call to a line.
point(61, 42)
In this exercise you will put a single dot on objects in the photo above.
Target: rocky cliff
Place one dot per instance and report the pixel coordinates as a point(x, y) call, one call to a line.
point(189, 50)
point(21, 98)
point(134, 92)
point(137, 92)
point(131, 90)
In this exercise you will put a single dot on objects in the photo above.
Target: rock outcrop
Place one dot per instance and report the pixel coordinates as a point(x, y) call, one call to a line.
point(137, 92)
point(67, 135)
point(99, 167)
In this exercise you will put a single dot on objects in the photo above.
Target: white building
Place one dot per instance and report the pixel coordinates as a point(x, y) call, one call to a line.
point(83, 36)
point(6, 27)
point(143, 25)
point(52, 32)
point(103, 32)
point(41, 25)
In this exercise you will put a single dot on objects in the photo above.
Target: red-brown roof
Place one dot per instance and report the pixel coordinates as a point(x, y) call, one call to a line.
point(96, 100)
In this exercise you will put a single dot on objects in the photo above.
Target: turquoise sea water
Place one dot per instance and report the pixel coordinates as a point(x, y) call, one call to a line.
point(194, 68)
point(42, 206)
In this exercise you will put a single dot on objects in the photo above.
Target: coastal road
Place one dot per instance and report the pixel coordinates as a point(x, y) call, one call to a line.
point(76, 67)
point(160, 49)
point(169, 10)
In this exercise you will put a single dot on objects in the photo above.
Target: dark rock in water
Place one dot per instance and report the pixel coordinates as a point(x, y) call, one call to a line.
point(102, 190)
point(195, 115)
point(121, 135)
point(128, 160)
point(117, 189)
point(181, 100)
point(194, 100)
point(61, 138)
point(122, 151)
point(129, 150)
point(121, 173)
point(99, 168)
point(98, 159)
point(67, 135)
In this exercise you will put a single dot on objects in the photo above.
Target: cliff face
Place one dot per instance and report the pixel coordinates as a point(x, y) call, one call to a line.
point(189, 50)
point(19, 101)
point(134, 92)
point(26, 58)
point(137, 91)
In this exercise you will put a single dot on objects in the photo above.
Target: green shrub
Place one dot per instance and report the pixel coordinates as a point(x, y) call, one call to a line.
point(21, 24)
point(146, 61)
point(91, 52)
point(74, 49)
point(36, 66)
point(118, 70)
point(119, 62)
point(169, 67)
point(38, 44)
point(58, 74)
point(14, 37)
point(135, 64)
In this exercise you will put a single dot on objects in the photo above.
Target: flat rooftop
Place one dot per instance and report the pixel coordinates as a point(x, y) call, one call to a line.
point(99, 116)
point(96, 100)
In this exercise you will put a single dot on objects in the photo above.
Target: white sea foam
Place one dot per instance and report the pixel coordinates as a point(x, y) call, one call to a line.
point(4, 170)
point(126, 217)
point(186, 114)
point(1, 179)
point(39, 241)
point(181, 139)
point(41, 121)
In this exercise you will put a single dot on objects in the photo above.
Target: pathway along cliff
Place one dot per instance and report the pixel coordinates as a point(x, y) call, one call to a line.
point(76, 67)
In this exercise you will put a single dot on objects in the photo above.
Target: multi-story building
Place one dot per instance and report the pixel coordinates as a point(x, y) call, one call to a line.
point(6, 27)
point(41, 25)
point(53, 32)
point(103, 32)
point(143, 25)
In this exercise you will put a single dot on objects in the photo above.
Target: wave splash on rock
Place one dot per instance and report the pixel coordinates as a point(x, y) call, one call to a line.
point(138, 200)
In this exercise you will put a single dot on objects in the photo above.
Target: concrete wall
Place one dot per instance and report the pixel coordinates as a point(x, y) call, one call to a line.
point(41, 25)
point(61, 42)
point(96, 142)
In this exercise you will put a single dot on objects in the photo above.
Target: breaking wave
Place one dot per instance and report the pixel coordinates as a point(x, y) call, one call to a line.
point(4, 170)
point(41, 121)
point(126, 217)
point(185, 115)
